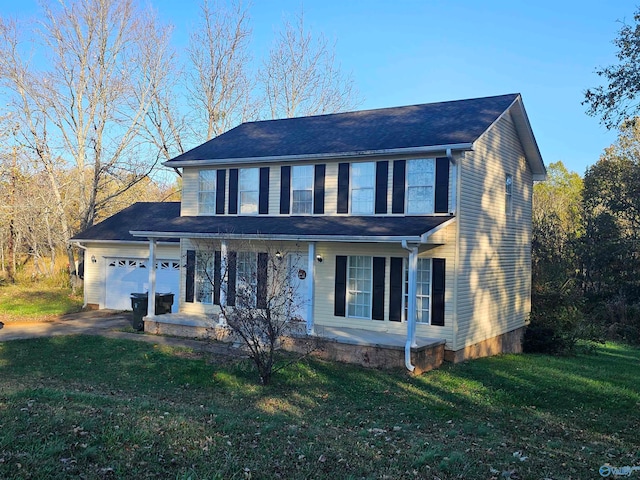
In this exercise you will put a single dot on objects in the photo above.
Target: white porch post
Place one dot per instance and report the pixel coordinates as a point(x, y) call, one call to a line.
point(224, 278)
point(311, 287)
point(151, 305)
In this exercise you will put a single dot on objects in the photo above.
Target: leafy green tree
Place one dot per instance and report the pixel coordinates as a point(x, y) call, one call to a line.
point(616, 101)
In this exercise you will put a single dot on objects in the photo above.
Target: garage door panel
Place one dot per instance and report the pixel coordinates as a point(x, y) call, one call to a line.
point(125, 276)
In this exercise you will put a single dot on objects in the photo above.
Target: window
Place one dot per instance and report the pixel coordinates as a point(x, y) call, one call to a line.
point(423, 290)
point(508, 195)
point(246, 278)
point(302, 189)
point(207, 192)
point(359, 286)
point(204, 279)
point(420, 186)
point(363, 179)
point(248, 186)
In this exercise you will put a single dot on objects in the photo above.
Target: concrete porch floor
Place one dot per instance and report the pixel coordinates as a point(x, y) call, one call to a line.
point(350, 336)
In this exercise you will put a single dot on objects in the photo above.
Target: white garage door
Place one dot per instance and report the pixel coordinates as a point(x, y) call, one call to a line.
point(125, 276)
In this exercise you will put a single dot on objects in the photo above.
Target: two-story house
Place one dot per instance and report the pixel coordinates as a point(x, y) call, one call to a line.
point(411, 226)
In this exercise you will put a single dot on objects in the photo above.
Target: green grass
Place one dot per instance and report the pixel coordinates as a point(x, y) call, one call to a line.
point(94, 408)
point(24, 301)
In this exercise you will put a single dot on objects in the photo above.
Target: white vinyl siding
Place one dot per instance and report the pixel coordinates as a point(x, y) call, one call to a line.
point(494, 260)
point(207, 192)
point(359, 286)
point(302, 189)
point(248, 190)
point(420, 187)
point(363, 181)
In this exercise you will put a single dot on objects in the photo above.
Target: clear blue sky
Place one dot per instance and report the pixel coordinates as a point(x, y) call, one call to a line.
point(406, 52)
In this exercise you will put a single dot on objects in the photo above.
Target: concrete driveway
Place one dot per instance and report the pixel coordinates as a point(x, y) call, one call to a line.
point(96, 322)
point(108, 323)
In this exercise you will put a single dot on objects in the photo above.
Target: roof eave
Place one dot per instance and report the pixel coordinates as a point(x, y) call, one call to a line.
point(307, 238)
point(529, 143)
point(322, 156)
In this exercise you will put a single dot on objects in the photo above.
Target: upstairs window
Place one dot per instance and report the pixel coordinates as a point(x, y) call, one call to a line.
point(207, 192)
point(508, 195)
point(420, 186)
point(302, 189)
point(248, 190)
point(363, 180)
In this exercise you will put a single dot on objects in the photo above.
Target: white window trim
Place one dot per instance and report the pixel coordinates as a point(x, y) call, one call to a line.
point(508, 195)
point(348, 292)
point(433, 188)
point(405, 272)
point(256, 190)
point(372, 188)
point(312, 189)
point(214, 192)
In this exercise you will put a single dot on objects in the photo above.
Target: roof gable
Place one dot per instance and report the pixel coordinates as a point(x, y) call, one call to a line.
point(444, 124)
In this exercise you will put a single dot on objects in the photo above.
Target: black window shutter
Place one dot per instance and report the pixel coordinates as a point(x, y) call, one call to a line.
point(442, 185)
point(285, 189)
point(217, 276)
point(382, 180)
point(339, 308)
point(397, 195)
point(437, 291)
point(261, 296)
point(191, 276)
point(395, 289)
point(233, 191)
point(377, 306)
point(231, 278)
point(343, 188)
point(220, 190)
point(318, 189)
point(263, 195)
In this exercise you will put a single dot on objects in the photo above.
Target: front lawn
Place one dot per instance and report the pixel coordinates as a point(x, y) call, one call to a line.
point(36, 301)
point(97, 408)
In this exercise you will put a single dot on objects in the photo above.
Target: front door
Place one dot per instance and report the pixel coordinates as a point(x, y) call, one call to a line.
point(300, 277)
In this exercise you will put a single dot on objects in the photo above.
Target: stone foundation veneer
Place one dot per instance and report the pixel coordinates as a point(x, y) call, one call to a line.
point(510, 342)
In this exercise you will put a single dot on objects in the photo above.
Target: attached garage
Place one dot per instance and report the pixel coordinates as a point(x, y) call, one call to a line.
point(116, 264)
point(125, 276)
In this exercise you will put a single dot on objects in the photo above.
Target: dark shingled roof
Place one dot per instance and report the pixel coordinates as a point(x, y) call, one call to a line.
point(136, 217)
point(296, 226)
point(431, 124)
point(164, 218)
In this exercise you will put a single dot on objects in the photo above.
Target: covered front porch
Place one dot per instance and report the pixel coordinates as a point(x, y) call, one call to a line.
point(373, 349)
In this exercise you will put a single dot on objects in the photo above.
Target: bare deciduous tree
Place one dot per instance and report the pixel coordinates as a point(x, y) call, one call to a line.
point(260, 302)
point(302, 77)
point(219, 81)
point(83, 103)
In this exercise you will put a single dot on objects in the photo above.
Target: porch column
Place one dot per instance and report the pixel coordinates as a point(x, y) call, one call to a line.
point(224, 278)
point(151, 305)
point(311, 287)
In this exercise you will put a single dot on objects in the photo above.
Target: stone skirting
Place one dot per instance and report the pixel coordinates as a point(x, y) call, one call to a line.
point(376, 354)
point(510, 342)
point(424, 358)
